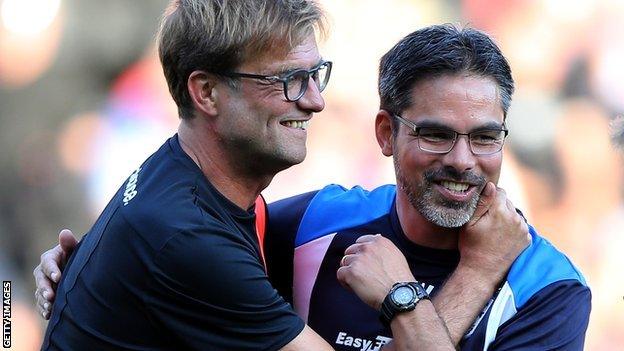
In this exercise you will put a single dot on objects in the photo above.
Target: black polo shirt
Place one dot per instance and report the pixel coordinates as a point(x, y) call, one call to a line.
point(170, 264)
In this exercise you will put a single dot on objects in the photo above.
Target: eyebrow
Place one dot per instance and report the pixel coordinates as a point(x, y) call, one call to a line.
point(287, 68)
point(431, 123)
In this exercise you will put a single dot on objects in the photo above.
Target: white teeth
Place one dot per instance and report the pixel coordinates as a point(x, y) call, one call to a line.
point(461, 187)
point(297, 124)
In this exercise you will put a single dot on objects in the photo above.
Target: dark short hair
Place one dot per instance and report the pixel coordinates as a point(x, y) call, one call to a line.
point(218, 36)
point(435, 51)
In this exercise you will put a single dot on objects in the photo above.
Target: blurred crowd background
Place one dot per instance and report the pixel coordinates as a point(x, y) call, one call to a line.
point(83, 102)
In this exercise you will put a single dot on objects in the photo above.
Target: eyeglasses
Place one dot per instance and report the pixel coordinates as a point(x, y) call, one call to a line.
point(442, 141)
point(295, 82)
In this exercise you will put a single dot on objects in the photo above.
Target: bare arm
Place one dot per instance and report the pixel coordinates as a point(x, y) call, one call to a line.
point(307, 340)
point(420, 329)
point(488, 244)
point(461, 299)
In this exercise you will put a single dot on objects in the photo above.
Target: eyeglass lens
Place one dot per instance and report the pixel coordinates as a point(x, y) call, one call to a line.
point(442, 141)
point(297, 82)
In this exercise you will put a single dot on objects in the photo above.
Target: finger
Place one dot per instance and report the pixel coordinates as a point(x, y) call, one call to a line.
point(39, 304)
point(38, 300)
point(347, 259)
point(43, 283)
point(342, 276)
point(68, 242)
point(485, 201)
point(50, 263)
point(354, 248)
point(44, 297)
point(367, 238)
point(511, 207)
point(43, 306)
point(500, 201)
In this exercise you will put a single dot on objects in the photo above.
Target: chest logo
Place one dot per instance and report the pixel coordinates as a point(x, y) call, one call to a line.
point(131, 186)
point(361, 343)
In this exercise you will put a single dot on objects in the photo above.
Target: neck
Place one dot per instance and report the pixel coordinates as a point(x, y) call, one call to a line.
point(237, 184)
point(421, 231)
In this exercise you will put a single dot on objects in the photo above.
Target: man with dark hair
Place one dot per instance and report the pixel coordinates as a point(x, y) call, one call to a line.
point(444, 95)
point(468, 240)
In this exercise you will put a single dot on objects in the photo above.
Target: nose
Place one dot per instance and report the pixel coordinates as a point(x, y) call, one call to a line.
point(460, 157)
point(312, 100)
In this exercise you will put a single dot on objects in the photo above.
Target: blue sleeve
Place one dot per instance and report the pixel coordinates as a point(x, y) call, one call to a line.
point(555, 318)
point(284, 217)
point(214, 294)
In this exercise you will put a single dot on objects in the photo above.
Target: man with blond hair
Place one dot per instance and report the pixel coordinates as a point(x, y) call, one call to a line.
point(173, 261)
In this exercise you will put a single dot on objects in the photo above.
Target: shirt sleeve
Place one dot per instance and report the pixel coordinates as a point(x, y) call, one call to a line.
point(210, 291)
point(555, 318)
point(284, 217)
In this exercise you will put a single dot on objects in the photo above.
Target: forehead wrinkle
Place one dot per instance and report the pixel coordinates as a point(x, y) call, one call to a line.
point(291, 60)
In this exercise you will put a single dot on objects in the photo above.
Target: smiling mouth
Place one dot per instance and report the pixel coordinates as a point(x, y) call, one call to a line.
point(303, 125)
point(455, 187)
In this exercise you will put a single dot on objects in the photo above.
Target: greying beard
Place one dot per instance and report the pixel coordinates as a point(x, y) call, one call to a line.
point(447, 214)
point(438, 210)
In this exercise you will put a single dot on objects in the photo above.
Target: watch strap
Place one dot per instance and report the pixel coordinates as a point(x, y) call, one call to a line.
point(389, 309)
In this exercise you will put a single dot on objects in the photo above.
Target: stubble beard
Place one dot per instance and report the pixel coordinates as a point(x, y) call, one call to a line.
point(256, 156)
point(431, 205)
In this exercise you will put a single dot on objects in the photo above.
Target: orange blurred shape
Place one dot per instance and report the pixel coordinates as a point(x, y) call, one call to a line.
point(76, 141)
point(487, 14)
point(24, 58)
point(26, 334)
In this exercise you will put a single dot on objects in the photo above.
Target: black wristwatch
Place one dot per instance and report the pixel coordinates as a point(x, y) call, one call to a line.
point(402, 297)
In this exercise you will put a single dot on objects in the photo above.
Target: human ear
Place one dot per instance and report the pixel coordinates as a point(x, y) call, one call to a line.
point(384, 132)
point(201, 88)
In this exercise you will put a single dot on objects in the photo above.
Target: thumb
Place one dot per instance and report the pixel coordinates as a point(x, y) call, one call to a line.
point(485, 201)
point(68, 241)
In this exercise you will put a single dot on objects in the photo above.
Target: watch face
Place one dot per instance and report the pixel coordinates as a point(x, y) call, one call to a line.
point(403, 295)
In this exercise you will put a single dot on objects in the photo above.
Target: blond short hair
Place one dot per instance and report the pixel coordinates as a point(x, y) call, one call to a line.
point(219, 35)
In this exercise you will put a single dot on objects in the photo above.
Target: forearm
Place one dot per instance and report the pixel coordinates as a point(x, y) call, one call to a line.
point(420, 329)
point(462, 298)
point(307, 340)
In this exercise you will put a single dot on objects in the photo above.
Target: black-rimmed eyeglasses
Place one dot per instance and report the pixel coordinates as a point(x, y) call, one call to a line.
point(295, 82)
point(442, 140)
